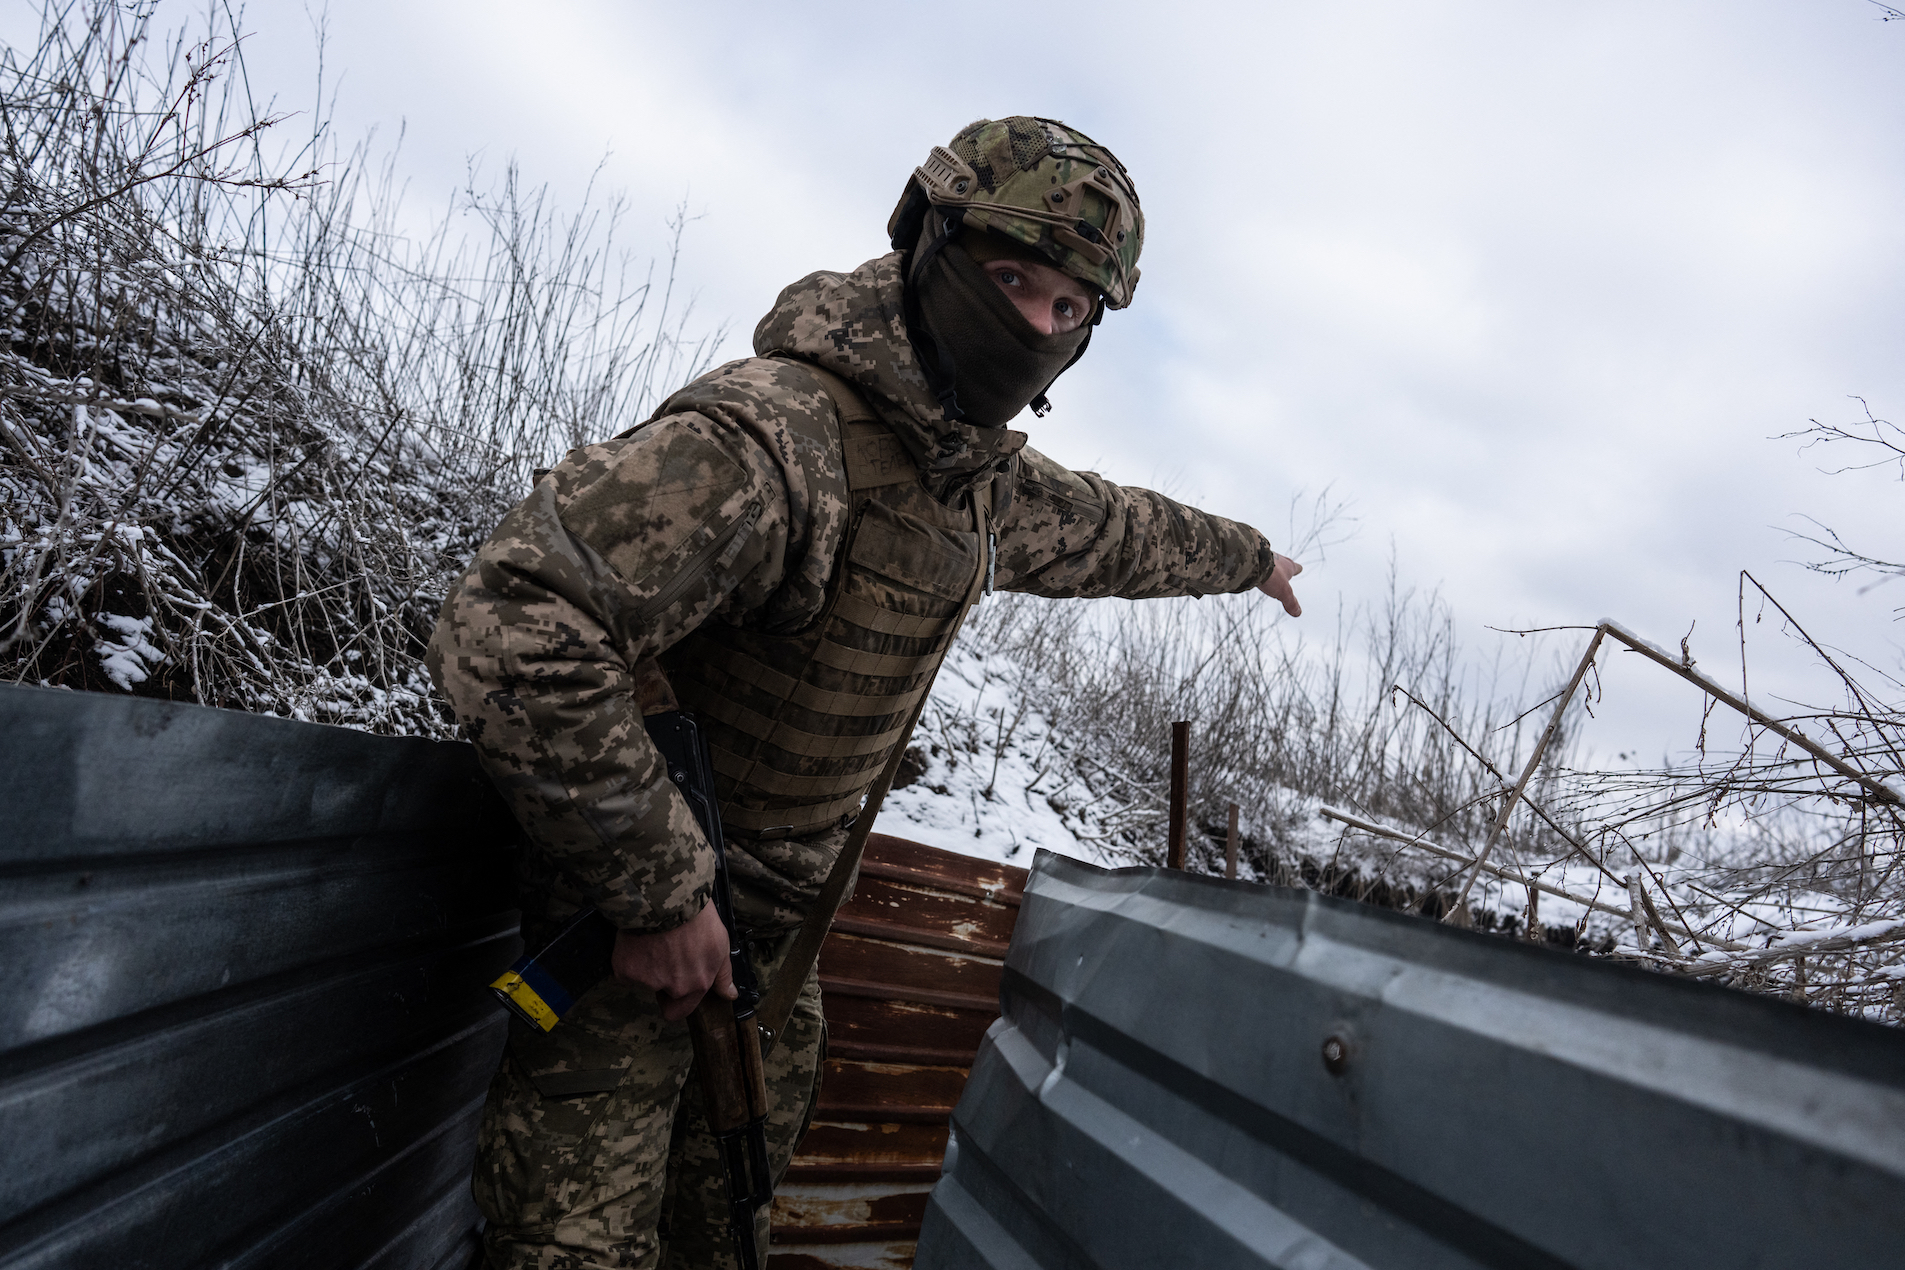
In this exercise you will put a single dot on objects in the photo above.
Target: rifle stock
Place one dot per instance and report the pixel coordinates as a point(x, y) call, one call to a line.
point(734, 1095)
point(727, 1040)
point(540, 989)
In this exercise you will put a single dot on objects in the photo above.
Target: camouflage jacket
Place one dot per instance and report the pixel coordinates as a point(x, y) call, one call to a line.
point(704, 513)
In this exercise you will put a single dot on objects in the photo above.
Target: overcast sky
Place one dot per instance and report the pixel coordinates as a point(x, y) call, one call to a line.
point(1530, 285)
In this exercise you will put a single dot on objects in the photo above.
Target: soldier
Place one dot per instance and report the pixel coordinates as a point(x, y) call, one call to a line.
point(794, 538)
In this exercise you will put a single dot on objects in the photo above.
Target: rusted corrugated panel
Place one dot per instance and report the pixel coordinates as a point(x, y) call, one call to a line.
point(910, 979)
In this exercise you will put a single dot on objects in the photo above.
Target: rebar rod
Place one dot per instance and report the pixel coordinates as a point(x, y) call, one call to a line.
point(1180, 792)
point(1230, 845)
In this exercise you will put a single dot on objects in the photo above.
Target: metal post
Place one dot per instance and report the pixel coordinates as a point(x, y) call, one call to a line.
point(1180, 792)
point(1230, 845)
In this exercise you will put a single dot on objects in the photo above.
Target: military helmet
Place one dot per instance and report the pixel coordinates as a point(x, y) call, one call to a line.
point(1043, 184)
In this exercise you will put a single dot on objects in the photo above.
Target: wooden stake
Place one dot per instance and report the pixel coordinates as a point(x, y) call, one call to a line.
point(1180, 792)
point(1230, 845)
point(1637, 913)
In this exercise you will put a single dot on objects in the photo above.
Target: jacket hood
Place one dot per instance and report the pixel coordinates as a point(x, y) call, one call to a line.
point(854, 325)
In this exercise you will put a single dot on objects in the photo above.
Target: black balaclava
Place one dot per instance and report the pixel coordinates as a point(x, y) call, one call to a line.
point(1001, 364)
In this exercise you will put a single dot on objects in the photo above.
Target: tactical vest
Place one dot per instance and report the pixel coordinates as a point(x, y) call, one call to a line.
point(801, 725)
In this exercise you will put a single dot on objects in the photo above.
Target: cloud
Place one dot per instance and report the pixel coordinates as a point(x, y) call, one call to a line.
point(1531, 285)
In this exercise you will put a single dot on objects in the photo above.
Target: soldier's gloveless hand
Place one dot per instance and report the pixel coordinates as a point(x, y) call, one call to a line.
point(1277, 585)
point(681, 965)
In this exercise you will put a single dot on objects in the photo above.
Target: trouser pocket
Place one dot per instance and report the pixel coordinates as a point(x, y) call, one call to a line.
point(573, 1148)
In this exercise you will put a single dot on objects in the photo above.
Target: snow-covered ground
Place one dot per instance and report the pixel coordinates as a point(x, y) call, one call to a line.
point(1002, 791)
point(1000, 783)
point(993, 778)
point(982, 793)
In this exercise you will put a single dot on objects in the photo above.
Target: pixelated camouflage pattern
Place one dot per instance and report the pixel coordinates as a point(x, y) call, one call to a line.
point(1075, 534)
point(731, 506)
point(527, 653)
point(801, 723)
point(854, 325)
point(626, 1175)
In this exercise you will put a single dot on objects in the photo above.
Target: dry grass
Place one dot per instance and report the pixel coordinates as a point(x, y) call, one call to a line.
point(250, 430)
point(1280, 726)
point(1386, 768)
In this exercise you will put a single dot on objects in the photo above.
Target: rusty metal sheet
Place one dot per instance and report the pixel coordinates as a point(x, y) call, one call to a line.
point(942, 870)
point(869, 1149)
point(910, 981)
point(861, 965)
point(914, 912)
point(904, 1031)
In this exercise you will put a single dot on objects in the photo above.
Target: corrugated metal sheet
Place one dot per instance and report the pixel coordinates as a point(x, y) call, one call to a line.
point(1192, 1072)
point(245, 1022)
point(910, 980)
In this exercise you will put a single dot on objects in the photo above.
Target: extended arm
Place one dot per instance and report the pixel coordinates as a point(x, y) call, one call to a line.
point(1076, 534)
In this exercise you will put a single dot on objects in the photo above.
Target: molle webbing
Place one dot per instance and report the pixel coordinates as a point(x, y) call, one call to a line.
point(802, 724)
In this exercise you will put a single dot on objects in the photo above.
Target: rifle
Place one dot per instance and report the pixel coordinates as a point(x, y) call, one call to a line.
point(541, 988)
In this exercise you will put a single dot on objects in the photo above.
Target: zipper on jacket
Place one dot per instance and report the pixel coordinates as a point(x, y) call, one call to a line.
point(732, 539)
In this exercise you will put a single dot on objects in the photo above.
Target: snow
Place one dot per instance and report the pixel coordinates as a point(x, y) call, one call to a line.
point(997, 783)
point(130, 657)
point(984, 793)
point(1862, 932)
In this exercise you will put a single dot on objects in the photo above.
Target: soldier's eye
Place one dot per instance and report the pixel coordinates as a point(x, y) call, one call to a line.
point(1008, 277)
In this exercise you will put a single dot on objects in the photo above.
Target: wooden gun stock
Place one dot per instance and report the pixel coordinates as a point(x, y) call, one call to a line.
point(734, 1093)
point(728, 1057)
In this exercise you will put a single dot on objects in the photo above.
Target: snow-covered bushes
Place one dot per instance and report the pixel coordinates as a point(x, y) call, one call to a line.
point(1050, 726)
point(248, 429)
point(1378, 768)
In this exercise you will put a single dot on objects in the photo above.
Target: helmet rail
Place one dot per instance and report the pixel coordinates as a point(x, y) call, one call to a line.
point(1043, 184)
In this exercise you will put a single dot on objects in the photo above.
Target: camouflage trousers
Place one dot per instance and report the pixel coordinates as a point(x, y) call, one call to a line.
point(594, 1150)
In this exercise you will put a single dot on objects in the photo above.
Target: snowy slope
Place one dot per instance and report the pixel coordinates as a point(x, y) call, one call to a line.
point(992, 778)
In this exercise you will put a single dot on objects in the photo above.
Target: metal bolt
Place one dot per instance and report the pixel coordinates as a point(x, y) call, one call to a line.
point(1121, 235)
point(1058, 196)
point(1103, 174)
point(959, 187)
point(1336, 1055)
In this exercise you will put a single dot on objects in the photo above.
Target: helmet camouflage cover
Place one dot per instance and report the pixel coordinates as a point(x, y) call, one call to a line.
point(1052, 188)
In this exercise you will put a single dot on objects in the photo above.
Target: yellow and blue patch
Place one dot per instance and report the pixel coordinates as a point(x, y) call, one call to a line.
point(532, 994)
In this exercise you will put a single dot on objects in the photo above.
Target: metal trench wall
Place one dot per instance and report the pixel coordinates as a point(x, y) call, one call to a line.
point(1191, 1072)
point(244, 1022)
